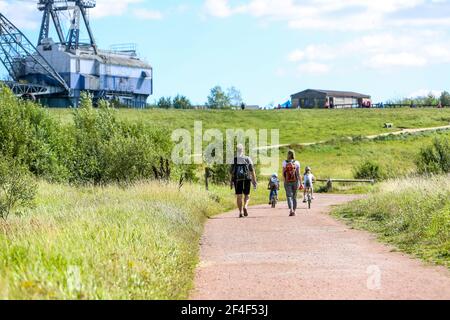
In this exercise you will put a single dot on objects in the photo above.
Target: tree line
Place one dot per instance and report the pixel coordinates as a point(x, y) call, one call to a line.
point(429, 100)
point(218, 98)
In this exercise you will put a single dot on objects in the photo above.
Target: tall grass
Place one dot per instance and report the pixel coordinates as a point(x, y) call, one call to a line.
point(106, 243)
point(412, 214)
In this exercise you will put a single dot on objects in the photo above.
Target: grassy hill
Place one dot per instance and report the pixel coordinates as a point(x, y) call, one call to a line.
point(296, 126)
point(337, 158)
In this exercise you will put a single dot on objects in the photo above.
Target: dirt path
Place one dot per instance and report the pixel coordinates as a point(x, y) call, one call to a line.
point(371, 137)
point(312, 256)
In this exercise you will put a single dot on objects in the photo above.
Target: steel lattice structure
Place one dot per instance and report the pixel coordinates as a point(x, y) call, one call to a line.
point(51, 9)
point(17, 53)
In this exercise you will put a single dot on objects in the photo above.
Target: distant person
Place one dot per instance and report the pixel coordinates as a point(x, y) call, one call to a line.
point(243, 175)
point(292, 181)
point(308, 183)
point(327, 104)
point(274, 187)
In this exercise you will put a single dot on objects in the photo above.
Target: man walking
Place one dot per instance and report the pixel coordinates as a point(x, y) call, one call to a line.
point(292, 181)
point(243, 175)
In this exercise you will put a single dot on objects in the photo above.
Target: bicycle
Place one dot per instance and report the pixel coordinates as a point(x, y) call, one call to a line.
point(309, 197)
point(273, 199)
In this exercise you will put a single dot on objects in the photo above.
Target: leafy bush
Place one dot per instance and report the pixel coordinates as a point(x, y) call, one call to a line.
point(104, 150)
point(435, 159)
point(181, 102)
point(221, 174)
point(369, 170)
point(17, 188)
point(30, 136)
point(165, 103)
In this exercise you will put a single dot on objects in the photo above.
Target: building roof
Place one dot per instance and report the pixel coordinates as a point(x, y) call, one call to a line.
point(334, 93)
point(113, 59)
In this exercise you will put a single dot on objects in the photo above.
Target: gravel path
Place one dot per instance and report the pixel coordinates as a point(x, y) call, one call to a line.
point(311, 256)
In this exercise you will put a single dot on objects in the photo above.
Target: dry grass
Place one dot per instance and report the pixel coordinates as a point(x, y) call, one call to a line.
point(411, 213)
point(105, 243)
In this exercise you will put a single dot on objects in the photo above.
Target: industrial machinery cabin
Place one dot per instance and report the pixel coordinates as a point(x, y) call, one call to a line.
point(56, 72)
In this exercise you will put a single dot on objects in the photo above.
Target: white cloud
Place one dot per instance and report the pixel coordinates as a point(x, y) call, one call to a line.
point(23, 15)
point(313, 68)
point(107, 8)
point(403, 59)
point(382, 51)
point(219, 8)
point(146, 14)
point(342, 15)
point(312, 52)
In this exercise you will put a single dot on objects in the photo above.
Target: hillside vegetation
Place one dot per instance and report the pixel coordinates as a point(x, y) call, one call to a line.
point(296, 126)
point(105, 243)
point(412, 214)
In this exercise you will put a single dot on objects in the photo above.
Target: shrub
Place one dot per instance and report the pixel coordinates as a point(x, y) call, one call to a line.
point(221, 174)
point(369, 170)
point(17, 189)
point(435, 159)
point(165, 103)
point(105, 150)
point(181, 102)
point(30, 136)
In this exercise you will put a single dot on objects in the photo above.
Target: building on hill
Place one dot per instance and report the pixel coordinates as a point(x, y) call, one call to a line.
point(311, 98)
point(252, 107)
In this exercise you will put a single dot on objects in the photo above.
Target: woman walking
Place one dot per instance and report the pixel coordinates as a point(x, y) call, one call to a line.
point(292, 181)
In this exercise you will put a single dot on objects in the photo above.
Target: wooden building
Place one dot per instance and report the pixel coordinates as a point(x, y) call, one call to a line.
point(310, 99)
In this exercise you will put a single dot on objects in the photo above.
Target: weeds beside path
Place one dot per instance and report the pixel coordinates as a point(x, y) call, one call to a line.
point(412, 214)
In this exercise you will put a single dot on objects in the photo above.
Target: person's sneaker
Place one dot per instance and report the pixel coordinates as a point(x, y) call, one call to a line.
point(241, 215)
point(304, 201)
point(245, 212)
point(292, 214)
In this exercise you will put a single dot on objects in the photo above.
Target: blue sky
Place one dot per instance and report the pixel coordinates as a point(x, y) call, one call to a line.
point(270, 49)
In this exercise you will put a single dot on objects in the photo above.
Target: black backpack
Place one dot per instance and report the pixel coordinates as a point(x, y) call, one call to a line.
point(241, 170)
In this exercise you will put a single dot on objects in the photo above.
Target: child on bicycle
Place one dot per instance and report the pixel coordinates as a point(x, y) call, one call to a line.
point(274, 186)
point(309, 180)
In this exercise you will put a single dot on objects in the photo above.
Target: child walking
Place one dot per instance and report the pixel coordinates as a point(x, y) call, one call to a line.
point(308, 179)
point(274, 186)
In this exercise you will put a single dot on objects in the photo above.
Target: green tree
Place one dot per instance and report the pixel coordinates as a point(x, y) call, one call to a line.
point(218, 99)
point(430, 100)
point(181, 102)
point(165, 103)
point(235, 97)
point(445, 98)
point(29, 135)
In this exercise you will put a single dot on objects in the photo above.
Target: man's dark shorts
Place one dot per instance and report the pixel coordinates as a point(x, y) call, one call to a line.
point(243, 187)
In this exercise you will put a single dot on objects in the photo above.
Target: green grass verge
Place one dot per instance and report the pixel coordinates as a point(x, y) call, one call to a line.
point(296, 126)
point(411, 214)
point(134, 243)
